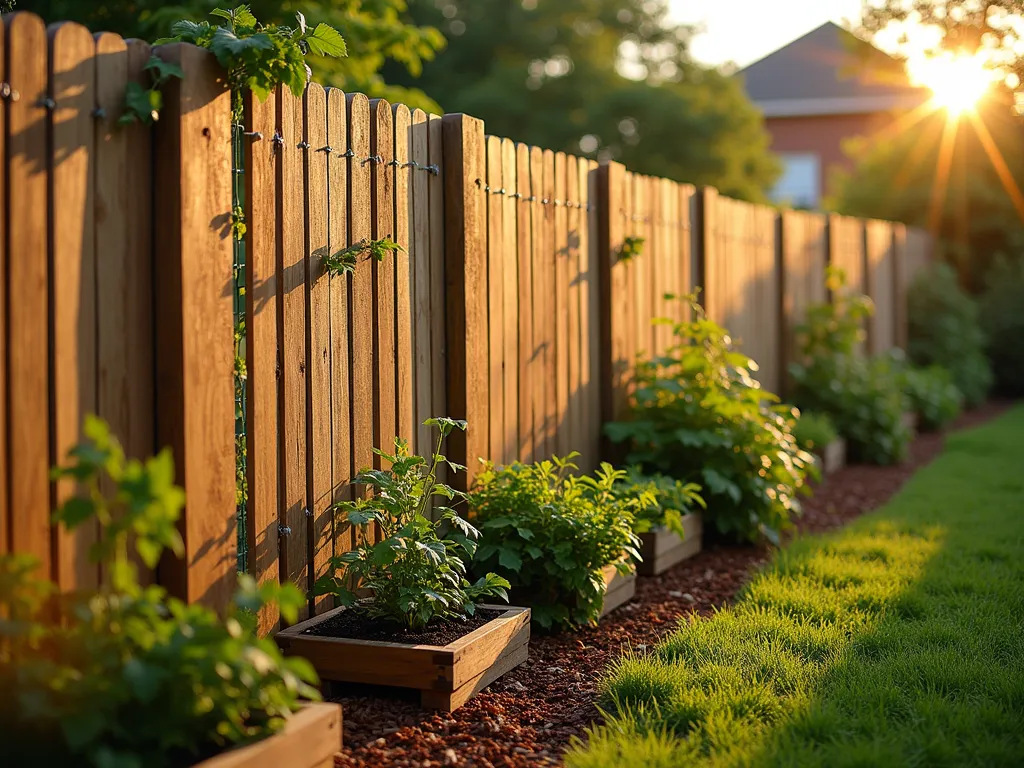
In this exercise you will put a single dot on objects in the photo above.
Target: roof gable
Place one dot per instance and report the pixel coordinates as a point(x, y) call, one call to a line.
point(828, 63)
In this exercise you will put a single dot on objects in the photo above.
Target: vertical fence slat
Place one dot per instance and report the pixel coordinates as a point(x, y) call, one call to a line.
point(574, 412)
point(28, 324)
point(404, 357)
point(292, 249)
point(549, 301)
point(362, 298)
point(5, 544)
point(611, 294)
point(466, 270)
point(541, 322)
point(194, 282)
point(438, 275)
point(261, 326)
point(527, 348)
point(590, 307)
point(509, 302)
point(319, 527)
point(880, 276)
point(382, 193)
point(641, 266)
point(562, 427)
point(420, 255)
point(490, 194)
point(72, 271)
point(900, 286)
point(341, 368)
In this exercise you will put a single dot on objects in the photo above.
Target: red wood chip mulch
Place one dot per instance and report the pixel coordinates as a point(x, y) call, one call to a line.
point(528, 717)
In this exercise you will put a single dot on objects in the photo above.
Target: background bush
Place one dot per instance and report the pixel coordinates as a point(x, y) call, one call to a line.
point(550, 533)
point(944, 329)
point(863, 397)
point(933, 396)
point(1002, 319)
point(814, 431)
point(671, 501)
point(698, 415)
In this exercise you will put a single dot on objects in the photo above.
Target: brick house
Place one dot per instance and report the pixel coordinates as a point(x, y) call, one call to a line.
point(820, 90)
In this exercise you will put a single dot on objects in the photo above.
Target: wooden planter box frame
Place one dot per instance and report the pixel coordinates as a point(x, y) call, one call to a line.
point(833, 458)
point(619, 589)
point(309, 739)
point(661, 548)
point(447, 676)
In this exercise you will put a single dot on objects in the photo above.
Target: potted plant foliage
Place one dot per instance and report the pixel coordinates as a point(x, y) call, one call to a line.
point(564, 541)
point(698, 414)
point(815, 433)
point(125, 675)
point(669, 527)
point(420, 624)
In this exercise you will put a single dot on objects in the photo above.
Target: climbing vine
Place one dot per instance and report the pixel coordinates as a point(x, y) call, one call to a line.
point(143, 105)
point(344, 262)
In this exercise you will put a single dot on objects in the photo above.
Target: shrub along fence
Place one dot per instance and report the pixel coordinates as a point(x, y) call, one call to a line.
point(523, 291)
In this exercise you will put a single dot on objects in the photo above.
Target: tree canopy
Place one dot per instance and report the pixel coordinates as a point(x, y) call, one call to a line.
point(994, 26)
point(375, 31)
point(601, 78)
point(960, 178)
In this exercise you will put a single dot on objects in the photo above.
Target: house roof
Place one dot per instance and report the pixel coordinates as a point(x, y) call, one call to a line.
point(829, 71)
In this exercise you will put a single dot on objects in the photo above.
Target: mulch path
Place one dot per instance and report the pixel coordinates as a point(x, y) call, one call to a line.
point(529, 716)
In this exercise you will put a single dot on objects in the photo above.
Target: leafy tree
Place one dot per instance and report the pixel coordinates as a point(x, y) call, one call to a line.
point(374, 30)
point(601, 78)
point(993, 26)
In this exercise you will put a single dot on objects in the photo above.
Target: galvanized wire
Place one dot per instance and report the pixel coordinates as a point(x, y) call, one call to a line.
point(237, 202)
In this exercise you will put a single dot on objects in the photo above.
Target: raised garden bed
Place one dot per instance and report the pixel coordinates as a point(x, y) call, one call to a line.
point(833, 458)
point(662, 548)
point(447, 675)
point(310, 739)
point(619, 589)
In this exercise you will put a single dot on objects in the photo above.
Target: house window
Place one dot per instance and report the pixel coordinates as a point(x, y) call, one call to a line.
point(800, 183)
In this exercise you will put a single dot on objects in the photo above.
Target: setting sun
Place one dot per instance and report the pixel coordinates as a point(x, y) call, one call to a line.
point(958, 81)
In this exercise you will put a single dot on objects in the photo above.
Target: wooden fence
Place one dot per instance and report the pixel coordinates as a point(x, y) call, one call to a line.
point(523, 292)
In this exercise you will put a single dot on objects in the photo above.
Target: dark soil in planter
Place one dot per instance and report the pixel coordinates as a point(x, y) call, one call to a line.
point(528, 717)
point(355, 624)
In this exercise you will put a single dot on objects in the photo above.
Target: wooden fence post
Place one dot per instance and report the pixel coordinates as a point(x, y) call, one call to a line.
point(703, 229)
point(611, 293)
point(466, 283)
point(194, 321)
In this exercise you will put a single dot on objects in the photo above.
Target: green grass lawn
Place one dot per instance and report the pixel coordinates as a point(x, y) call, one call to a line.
point(896, 641)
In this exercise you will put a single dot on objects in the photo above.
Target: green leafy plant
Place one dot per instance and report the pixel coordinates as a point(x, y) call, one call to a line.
point(631, 248)
point(932, 394)
point(944, 329)
point(1002, 318)
point(142, 104)
point(125, 675)
point(862, 397)
point(415, 573)
point(552, 532)
point(344, 262)
point(671, 501)
point(814, 431)
point(260, 57)
point(699, 415)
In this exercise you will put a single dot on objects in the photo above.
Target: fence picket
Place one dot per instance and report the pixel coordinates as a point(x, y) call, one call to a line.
point(493, 206)
point(420, 255)
point(5, 523)
point(541, 319)
point(341, 285)
point(362, 296)
point(438, 280)
point(261, 348)
point(27, 317)
point(527, 348)
point(571, 259)
point(319, 487)
point(404, 357)
point(510, 306)
point(291, 234)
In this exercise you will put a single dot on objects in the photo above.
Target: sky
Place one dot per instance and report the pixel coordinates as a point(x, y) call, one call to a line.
point(744, 31)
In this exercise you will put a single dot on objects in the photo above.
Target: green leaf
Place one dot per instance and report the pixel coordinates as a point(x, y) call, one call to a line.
point(509, 558)
point(164, 70)
point(144, 679)
point(326, 41)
